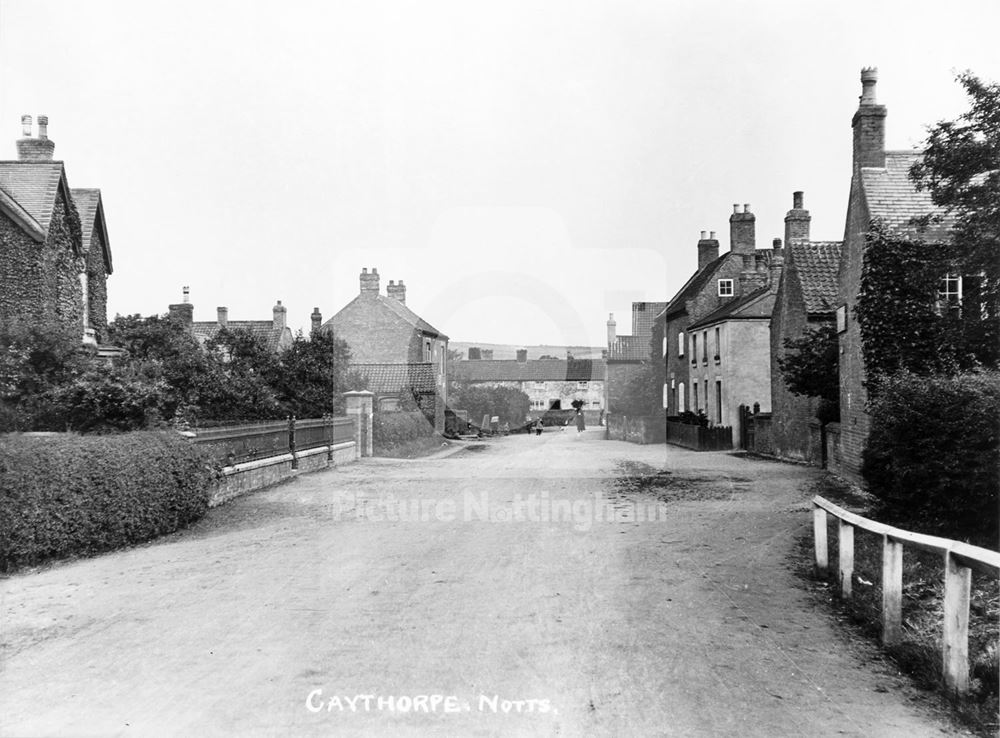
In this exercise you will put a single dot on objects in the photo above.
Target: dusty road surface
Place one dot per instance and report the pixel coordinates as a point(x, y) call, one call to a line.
point(531, 595)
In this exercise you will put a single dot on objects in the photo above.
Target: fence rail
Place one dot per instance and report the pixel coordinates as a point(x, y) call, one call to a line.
point(959, 561)
point(235, 444)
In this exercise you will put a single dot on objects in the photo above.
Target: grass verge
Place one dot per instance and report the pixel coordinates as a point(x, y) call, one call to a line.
point(919, 652)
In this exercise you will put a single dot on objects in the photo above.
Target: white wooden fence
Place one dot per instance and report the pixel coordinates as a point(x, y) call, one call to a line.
point(959, 561)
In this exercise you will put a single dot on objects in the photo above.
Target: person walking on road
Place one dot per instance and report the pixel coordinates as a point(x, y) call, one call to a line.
point(580, 424)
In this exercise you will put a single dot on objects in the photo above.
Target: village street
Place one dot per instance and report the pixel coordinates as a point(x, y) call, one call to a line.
point(692, 624)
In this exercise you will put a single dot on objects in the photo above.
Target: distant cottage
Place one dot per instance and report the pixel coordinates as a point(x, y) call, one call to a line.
point(274, 333)
point(55, 255)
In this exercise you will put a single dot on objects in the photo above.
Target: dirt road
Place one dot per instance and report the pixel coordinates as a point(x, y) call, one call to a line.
point(530, 595)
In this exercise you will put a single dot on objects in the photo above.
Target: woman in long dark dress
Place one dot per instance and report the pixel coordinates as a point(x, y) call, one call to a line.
point(580, 425)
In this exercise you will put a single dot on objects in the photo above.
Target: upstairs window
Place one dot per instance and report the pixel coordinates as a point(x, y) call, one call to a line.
point(725, 288)
point(680, 343)
point(581, 385)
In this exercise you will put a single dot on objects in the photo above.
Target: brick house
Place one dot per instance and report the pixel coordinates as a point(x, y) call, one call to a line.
point(55, 256)
point(390, 343)
point(550, 384)
point(730, 348)
point(717, 281)
point(275, 333)
point(880, 189)
point(806, 299)
point(626, 354)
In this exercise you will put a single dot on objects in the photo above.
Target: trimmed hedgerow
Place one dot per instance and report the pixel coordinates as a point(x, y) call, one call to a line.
point(391, 429)
point(933, 455)
point(66, 495)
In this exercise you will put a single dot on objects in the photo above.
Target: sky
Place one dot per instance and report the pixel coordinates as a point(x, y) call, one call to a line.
point(525, 167)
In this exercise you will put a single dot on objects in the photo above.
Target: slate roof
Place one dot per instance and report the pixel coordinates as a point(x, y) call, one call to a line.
point(206, 330)
point(752, 306)
point(892, 197)
point(391, 378)
point(91, 210)
point(33, 185)
point(399, 309)
point(817, 264)
point(629, 348)
point(533, 370)
point(692, 287)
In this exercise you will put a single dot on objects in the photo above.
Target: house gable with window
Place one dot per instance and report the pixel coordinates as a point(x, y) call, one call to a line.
point(382, 331)
point(881, 189)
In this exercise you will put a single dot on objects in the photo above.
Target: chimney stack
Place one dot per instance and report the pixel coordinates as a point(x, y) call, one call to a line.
point(522, 356)
point(183, 312)
point(316, 318)
point(369, 282)
point(396, 291)
point(742, 238)
point(869, 124)
point(35, 149)
point(223, 316)
point(776, 266)
point(612, 333)
point(797, 221)
point(708, 249)
point(280, 315)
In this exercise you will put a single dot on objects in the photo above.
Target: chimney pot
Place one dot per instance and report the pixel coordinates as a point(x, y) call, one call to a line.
point(712, 236)
point(703, 235)
point(222, 313)
point(797, 199)
point(869, 78)
point(43, 126)
point(187, 293)
point(736, 207)
point(746, 207)
point(316, 319)
point(797, 220)
point(26, 126)
point(280, 314)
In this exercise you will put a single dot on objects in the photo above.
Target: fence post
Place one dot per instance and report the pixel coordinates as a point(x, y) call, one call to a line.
point(845, 551)
point(328, 435)
point(291, 441)
point(819, 536)
point(955, 641)
point(892, 591)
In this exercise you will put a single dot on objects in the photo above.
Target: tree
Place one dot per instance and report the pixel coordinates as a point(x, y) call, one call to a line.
point(34, 360)
point(510, 404)
point(313, 374)
point(961, 170)
point(810, 368)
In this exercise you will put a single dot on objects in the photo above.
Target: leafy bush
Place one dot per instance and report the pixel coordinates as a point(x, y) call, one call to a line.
point(933, 455)
point(67, 495)
point(509, 403)
point(390, 429)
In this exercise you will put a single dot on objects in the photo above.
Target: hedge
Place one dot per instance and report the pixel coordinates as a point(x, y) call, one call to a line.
point(391, 429)
point(933, 454)
point(66, 495)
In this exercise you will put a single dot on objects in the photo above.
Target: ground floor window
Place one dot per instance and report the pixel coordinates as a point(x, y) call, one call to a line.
point(718, 401)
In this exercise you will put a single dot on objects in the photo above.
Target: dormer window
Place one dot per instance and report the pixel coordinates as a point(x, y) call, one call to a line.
point(725, 288)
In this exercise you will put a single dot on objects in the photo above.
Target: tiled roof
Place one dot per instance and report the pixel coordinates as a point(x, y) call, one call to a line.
point(537, 370)
point(391, 378)
point(88, 205)
point(409, 316)
point(34, 186)
point(892, 197)
point(753, 305)
point(693, 286)
point(399, 309)
point(817, 264)
point(206, 330)
point(630, 348)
